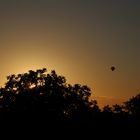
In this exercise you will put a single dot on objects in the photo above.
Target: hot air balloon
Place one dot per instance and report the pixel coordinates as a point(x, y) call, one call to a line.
point(112, 68)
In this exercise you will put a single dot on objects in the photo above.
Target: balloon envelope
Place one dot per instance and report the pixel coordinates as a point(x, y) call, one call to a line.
point(112, 68)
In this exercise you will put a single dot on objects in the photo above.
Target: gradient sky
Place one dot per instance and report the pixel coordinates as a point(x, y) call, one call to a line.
point(80, 39)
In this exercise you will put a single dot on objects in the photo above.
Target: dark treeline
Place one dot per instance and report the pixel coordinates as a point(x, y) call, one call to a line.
point(45, 99)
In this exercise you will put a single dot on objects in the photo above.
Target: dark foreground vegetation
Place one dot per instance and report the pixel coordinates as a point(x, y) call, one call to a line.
point(39, 101)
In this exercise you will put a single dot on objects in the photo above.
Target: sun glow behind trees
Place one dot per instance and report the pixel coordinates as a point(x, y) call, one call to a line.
point(79, 40)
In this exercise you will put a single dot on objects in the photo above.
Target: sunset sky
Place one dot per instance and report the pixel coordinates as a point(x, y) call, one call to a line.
point(80, 39)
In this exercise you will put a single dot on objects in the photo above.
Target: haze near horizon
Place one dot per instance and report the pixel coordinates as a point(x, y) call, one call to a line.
point(80, 39)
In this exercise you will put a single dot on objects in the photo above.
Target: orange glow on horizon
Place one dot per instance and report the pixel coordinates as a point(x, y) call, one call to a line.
point(80, 41)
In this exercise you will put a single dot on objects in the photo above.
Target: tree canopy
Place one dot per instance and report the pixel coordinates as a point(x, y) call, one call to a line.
point(48, 97)
point(39, 91)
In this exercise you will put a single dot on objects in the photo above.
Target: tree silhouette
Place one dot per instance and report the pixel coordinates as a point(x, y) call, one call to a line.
point(39, 92)
point(117, 108)
point(107, 109)
point(47, 98)
point(132, 106)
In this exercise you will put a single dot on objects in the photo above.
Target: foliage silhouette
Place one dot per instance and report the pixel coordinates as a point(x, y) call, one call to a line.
point(37, 92)
point(132, 106)
point(42, 98)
